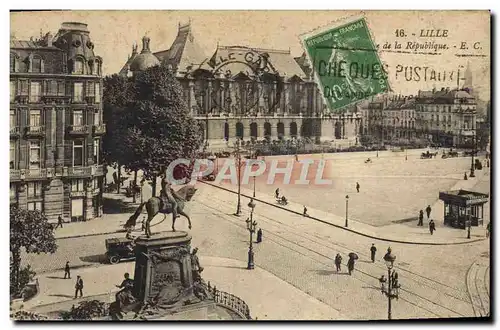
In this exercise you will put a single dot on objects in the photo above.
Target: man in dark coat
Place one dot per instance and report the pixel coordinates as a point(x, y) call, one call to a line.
point(465, 176)
point(78, 286)
point(259, 235)
point(277, 193)
point(420, 218)
point(373, 250)
point(59, 221)
point(432, 226)
point(428, 211)
point(357, 186)
point(67, 270)
point(350, 265)
point(305, 211)
point(338, 262)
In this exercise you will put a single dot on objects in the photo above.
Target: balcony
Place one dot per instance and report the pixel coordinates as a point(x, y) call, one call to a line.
point(99, 129)
point(78, 130)
point(77, 171)
point(36, 174)
point(90, 99)
point(57, 99)
point(14, 132)
point(97, 170)
point(35, 131)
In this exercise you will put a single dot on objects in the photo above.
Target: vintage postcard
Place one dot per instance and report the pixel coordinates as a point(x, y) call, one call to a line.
point(250, 165)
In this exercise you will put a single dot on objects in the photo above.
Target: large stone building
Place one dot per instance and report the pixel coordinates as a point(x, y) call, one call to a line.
point(447, 117)
point(389, 119)
point(247, 93)
point(56, 124)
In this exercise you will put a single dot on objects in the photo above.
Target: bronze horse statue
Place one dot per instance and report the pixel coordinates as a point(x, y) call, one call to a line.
point(153, 206)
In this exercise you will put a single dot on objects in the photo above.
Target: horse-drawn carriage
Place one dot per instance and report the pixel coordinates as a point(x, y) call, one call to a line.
point(450, 154)
point(428, 155)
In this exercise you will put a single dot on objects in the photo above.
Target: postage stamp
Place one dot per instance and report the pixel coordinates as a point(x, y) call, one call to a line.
point(345, 62)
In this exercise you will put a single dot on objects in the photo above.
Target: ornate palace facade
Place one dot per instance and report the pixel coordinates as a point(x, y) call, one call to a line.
point(248, 93)
point(56, 124)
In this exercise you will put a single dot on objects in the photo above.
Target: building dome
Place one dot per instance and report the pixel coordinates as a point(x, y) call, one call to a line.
point(145, 59)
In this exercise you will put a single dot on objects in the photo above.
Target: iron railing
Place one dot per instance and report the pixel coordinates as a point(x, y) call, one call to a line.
point(231, 302)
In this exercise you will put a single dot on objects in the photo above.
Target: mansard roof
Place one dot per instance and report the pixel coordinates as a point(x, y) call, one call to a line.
point(184, 52)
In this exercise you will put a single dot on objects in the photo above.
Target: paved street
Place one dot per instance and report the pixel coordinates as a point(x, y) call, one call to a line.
point(226, 274)
point(299, 251)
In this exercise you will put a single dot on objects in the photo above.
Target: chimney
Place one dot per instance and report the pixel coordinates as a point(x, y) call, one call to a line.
point(134, 49)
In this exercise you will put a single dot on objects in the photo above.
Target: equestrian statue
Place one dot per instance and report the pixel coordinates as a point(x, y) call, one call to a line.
point(170, 201)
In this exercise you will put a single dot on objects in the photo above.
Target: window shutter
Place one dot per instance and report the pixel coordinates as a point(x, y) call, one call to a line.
point(42, 65)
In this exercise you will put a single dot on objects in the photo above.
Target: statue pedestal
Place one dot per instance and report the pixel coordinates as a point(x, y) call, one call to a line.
point(163, 267)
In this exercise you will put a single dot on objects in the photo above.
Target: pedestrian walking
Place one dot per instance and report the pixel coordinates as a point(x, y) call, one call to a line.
point(305, 211)
point(78, 286)
point(277, 193)
point(420, 218)
point(373, 250)
point(488, 229)
point(259, 235)
point(432, 226)
point(67, 271)
point(350, 265)
point(338, 262)
point(357, 186)
point(59, 221)
point(428, 211)
point(465, 175)
point(382, 281)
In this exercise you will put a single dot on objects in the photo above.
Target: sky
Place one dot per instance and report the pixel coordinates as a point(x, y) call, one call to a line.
point(114, 33)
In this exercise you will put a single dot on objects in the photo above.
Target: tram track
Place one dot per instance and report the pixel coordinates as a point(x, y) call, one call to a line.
point(330, 247)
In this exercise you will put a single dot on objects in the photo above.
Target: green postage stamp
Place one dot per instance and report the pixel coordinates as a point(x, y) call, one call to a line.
point(346, 64)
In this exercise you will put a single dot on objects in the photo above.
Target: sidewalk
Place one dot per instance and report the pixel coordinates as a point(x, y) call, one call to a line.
point(253, 286)
point(406, 233)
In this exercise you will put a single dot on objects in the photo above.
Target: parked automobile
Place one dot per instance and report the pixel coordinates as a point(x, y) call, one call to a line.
point(118, 249)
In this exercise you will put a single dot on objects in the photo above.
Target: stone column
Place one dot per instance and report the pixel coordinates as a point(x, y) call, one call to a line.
point(261, 104)
point(303, 99)
point(314, 99)
point(286, 98)
point(208, 101)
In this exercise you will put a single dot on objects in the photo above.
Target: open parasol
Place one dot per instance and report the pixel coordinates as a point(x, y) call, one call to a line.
point(353, 255)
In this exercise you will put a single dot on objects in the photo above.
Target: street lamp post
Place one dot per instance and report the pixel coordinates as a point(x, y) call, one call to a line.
point(406, 153)
point(471, 175)
point(392, 290)
point(346, 209)
point(251, 226)
point(238, 158)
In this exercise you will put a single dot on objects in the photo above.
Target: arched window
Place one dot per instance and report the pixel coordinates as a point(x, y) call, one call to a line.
point(36, 65)
point(281, 130)
point(267, 130)
point(253, 130)
point(98, 67)
point(239, 130)
point(293, 129)
point(78, 66)
point(338, 130)
point(91, 67)
point(226, 131)
point(14, 63)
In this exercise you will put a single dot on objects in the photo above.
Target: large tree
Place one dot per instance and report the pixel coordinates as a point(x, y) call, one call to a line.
point(157, 123)
point(117, 95)
point(29, 230)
